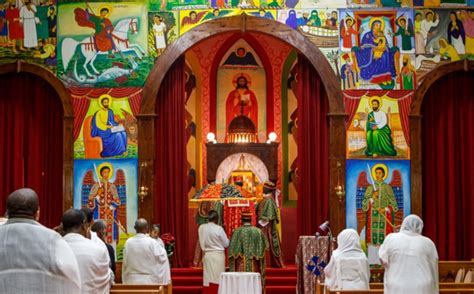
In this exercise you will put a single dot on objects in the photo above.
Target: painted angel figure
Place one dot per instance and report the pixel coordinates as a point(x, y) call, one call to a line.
point(193, 18)
point(379, 205)
point(106, 199)
point(216, 13)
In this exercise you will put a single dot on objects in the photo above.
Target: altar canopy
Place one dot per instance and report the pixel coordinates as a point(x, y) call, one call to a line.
point(252, 163)
point(229, 201)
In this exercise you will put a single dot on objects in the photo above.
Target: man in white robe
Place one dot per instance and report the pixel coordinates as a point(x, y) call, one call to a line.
point(33, 258)
point(145, 260)
point(426, 25)
point(348, 268)
point(98, 230)
point(410, 260)
point(213, 241)
point(93, 259)
point(28, 21)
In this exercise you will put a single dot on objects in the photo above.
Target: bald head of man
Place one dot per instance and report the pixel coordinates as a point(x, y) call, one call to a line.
point(141, 226)
point(23, 203)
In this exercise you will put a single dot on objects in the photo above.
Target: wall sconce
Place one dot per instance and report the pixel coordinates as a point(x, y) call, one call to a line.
point(142, 188)
point(271, 137)
point(339, 189)
point(211, 138)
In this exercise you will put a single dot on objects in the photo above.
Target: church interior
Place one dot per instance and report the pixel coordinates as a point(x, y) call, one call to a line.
point(350, 113)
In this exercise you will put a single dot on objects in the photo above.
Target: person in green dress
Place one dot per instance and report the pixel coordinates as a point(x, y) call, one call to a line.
point(247, 248)
point(267, 217)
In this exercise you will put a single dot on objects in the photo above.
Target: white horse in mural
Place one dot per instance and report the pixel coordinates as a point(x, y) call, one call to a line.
point(88, 50)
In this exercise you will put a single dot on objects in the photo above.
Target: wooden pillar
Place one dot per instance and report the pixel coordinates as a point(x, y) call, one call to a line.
point(337, 170)
point(68, 161)
point(146, 156)
point(416, 185)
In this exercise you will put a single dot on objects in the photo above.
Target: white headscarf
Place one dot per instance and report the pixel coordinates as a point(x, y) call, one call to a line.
point(347, 240)
point(348, 268)
point(412, 224)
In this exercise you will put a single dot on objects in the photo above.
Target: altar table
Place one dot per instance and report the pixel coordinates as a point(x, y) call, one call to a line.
point(309, 246)
point(240, 282)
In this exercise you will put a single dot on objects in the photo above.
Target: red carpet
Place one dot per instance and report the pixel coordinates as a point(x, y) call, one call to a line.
point(189, 280)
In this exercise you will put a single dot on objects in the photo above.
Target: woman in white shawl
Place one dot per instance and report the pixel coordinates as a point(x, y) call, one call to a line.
point(410, 260)
point(348, 268)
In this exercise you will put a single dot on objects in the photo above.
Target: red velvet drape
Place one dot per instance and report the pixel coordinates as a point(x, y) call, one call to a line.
point(448, 162)
point(31, 142)
point(171, 209)
point(313, 153)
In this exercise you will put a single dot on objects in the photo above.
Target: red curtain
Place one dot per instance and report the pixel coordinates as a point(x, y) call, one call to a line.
point(351, 104)
point(31, 142)
point(313, 153)
point(448, 161)
point(171, 208)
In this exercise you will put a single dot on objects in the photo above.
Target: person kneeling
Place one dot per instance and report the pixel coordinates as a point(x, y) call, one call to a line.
point(348, 268)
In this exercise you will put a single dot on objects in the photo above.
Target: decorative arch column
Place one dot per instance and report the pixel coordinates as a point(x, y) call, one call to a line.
point(68, 119)
point(415, 127)
point(244, 23)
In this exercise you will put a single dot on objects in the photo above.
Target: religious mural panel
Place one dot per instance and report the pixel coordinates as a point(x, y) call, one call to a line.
point(241, 89)
point(378, 124)
point(28, 32)
point(189, 19)
point(333, 57)
point(409, 3)
point(378, 197)
point(455, 3)
point(169, 5)
point(320, 26)
point(105, 123)
point(163, 30)
point(103, 44)
point(298, 4)
point(376, 43)
point(109, 188)
point(442, 36)
point(442, 3)
point(380, 3)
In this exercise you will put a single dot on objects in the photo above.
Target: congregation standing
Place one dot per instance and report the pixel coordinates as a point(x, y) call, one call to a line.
point(74, 257)
point(77, 260)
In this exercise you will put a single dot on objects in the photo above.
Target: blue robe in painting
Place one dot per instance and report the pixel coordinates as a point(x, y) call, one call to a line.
point(377, 71)
point(113, 144)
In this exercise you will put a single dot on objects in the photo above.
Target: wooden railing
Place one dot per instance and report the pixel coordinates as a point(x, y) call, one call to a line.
point(141, 289)
point(447, 274)
point(378, 288)
point(460, 290)
point(447, 270)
